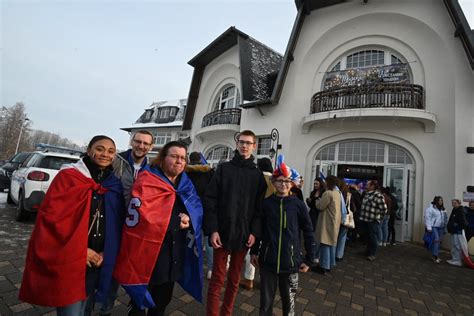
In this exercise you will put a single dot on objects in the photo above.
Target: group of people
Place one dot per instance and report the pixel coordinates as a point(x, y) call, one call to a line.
point(460, 225)
point(114, 219)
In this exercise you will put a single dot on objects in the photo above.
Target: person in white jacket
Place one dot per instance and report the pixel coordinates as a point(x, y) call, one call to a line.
point(436, 220)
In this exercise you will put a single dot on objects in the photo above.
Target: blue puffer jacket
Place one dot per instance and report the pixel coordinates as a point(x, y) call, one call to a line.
point(282, 220)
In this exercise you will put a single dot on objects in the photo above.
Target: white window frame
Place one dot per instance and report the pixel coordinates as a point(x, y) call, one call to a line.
point(222, 102)
point(161, 138)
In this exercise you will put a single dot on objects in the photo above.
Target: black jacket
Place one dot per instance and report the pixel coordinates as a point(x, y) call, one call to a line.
point(200, 176)
point(457, 221)
point(233, 202)
point(282, 221)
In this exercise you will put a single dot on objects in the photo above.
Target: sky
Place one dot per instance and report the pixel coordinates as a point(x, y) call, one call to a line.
point(87, 67)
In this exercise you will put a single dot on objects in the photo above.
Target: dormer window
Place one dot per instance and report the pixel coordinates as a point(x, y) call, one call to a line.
point(228, 98)
point(164, 113)
point(148, 114)
point(173, 112)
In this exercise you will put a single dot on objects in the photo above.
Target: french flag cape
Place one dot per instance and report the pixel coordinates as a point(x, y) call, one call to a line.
point(464, 249)
point(149, 213)
point(55, 269)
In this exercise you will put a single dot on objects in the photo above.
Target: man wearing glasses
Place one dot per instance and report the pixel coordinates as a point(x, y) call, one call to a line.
point(232, 210)
point(127, 165)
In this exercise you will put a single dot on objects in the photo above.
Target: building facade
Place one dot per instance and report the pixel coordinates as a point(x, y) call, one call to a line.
point(375, 89)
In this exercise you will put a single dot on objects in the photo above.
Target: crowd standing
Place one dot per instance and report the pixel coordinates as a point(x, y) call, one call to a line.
point(114, 220)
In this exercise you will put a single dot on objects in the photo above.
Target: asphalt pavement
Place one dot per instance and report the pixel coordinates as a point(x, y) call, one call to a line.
point(402, 281)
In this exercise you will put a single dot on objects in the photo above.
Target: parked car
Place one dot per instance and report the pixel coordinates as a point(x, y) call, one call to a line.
point(11, 165)
point(31, 181)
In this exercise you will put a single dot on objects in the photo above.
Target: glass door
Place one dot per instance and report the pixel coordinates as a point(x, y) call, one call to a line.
point(398, 179)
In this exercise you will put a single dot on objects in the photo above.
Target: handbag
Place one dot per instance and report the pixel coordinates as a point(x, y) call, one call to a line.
point(349, 222)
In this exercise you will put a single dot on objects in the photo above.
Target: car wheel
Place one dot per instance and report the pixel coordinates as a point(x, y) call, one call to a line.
point(21, 213)
point(9, 199)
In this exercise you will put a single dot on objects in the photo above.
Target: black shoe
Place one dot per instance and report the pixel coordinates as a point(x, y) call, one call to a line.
point(319, 270)
point(338, 259)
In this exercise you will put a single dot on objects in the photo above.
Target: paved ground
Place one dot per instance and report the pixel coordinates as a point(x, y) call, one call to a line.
point(402, 281)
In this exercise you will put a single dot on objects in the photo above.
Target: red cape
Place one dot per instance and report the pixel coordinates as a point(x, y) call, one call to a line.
point(55, 269)
point(145, 229)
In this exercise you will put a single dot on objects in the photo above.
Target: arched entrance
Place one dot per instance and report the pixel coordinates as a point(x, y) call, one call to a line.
point(359, 160)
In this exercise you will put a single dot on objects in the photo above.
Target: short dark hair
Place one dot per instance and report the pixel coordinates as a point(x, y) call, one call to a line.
point(331, 182)
point(195, 158)
point(97, 138)
point(265, 164)
point(375, 183)
point(142, 131)
point(164, 152)
point(247, 133)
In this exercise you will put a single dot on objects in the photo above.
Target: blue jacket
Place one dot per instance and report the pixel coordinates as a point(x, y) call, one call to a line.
point(282, 221)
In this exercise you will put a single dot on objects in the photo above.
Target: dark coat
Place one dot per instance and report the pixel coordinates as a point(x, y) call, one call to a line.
point(233, 202)
point(282, 220)
point(457, 221)
point(200, 176)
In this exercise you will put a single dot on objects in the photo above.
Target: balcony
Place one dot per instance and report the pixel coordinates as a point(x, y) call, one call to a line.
point(226, 116)
point(227, 120)
point(378, 100)
point(386, 95)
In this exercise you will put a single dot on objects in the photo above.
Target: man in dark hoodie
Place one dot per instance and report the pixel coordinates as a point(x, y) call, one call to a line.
point(232, 209)
point(456, 223)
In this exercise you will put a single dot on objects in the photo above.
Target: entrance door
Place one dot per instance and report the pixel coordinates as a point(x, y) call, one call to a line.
point(325, 169)
point(398, 180)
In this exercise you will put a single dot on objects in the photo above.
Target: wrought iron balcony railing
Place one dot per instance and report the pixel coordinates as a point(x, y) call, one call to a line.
point(386, 95)
point(226, 116)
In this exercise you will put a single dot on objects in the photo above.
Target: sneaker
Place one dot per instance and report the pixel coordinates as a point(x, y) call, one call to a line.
point(380, 244)
point(338, 259)
point(246, 284)
point(209, 274)
point(437, 260)
point(384, 244)
point(454, 263)
point(393, 243)
point(371, 258)
point(320, 270)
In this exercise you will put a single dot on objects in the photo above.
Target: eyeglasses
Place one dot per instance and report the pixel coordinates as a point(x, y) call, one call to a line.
point(139, 142)
point(245, 143)
point(177, 157)
point(286, 182)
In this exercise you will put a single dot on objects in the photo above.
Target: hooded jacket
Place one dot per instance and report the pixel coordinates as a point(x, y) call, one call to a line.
point(123, 169)
point(233, 202)
point(282, 220)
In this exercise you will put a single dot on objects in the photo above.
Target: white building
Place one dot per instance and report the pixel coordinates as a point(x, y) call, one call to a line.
point(366, 89)
point(164, 120)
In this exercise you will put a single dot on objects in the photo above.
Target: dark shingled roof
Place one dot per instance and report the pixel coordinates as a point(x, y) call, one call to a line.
point(258, 66)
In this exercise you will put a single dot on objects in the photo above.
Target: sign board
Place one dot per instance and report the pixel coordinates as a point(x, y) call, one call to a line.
point(398, 73)
point(467, 196)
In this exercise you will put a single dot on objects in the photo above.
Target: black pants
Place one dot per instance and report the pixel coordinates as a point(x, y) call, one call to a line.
point(287, 284)
point(371, 229)
point(161, 294)
point(391, 229)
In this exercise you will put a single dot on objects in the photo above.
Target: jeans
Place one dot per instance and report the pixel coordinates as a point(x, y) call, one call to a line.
point(288, 286)
point(327, 256)
point(249, 269)
point(209, 253)
point(217, 281)
point(371, 229)
point(341, 242)
point(75, 309)
point(438, 233)
point(456, 248)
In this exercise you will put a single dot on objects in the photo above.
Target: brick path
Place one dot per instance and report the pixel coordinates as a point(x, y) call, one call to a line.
point(402, 281)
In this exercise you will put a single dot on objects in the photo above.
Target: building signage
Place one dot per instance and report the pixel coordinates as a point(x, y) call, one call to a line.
point(467, 196)
point(365, 76)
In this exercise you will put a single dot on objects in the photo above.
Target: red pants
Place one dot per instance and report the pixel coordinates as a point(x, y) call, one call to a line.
point(218, 278)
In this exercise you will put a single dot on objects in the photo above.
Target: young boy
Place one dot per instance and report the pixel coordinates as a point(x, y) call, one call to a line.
point(278, 255)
